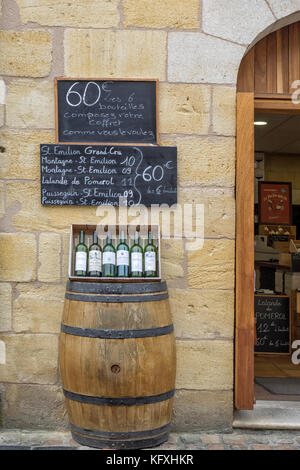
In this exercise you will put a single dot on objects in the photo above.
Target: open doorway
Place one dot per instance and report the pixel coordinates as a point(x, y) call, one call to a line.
point(265, 86)
point(277, 268)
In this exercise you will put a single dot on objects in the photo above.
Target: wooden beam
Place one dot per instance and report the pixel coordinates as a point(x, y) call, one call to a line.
point(244, 328)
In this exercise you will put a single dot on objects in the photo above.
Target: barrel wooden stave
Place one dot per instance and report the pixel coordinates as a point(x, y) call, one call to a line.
point(146, 369)
point(148, 360)
point(120, 418)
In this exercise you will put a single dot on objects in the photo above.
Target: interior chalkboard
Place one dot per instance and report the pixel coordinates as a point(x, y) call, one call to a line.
point(106, 111)
point(273, 324)
point(96, 175)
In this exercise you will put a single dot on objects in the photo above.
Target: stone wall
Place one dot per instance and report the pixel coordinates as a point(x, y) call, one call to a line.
point(194, 48)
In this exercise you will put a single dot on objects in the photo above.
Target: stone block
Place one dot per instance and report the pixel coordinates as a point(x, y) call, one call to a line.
point(21, 159)
point(204, 365)
point(224, 111)
point(18, 257)
point(31, 358)
point(172, 259)
point(177, 14)
point(207, 161)
point(36, 407)
point(2, 199)
point(27, 213)
point(2, 117)
point(212, 267)
point(205, 314)
point(126, 54)
point(49, 269)
point(26, 53)
point(218, 209)
point(5, 307)
point(236, 20)
point(65, 256)
point(38, 309)
point(282, 8)
point(184, 109)
point(198, 58)
point(30, 104)
point(197, 411)
point(89, 13)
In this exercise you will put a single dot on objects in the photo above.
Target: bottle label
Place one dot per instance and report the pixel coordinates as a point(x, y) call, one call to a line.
point(109, 257)
point(80, 261)
point(150, 261)
point(122, 258)
point(137, 262)
point(95, 260)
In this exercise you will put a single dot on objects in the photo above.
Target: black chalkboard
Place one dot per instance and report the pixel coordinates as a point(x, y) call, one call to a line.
point(95, 175)
point(273, 324)
point(106, 111)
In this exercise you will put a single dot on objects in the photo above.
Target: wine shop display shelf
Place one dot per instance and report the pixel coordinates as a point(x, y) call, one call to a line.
point(115, 231)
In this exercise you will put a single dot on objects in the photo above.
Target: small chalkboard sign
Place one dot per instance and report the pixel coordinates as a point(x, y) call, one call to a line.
point(106, 111)
point(96, 175)
point(273, 324)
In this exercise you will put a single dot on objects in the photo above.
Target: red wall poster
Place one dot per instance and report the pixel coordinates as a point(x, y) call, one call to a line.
point(275, 203)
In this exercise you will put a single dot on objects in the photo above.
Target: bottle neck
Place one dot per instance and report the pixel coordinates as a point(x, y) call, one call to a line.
point(136, 238)
point(95, 238)
point(122, 238)
point(150, 241)
point(108, 238)
point(81, 236)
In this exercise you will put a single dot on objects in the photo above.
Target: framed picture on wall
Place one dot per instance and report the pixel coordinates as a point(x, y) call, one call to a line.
point(275, 202)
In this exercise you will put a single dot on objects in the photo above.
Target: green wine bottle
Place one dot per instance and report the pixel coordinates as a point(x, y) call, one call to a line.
point(136, 258)
point(109, 258)
point(81, 256)
point(150, 257)
point(95, 261)
point(122, 257)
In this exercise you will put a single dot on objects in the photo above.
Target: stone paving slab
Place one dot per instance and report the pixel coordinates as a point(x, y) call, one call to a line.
point(238, 440)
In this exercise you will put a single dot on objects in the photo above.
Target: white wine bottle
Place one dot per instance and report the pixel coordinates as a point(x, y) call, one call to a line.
point(81, 256)
point(95, 258)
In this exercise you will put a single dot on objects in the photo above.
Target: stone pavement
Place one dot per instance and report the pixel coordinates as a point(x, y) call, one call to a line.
point(238, 440)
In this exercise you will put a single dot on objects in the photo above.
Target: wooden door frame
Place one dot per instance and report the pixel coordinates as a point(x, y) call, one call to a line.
point(247, 103)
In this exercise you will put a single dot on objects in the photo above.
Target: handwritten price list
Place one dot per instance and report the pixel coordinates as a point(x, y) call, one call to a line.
point(106, 111)
point(272, 317)
point(94, 175)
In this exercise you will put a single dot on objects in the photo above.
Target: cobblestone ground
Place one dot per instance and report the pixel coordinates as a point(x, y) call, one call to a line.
point(238, 440)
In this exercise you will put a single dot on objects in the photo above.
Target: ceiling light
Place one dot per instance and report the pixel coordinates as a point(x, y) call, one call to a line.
point(260, 123)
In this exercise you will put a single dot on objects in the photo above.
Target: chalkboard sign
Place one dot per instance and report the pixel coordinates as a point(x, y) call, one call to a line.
point(273, 324)
point(94, 175)
point(106, 111)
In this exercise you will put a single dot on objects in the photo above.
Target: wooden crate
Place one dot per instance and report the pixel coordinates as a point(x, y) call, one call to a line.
point(266, 229)
point(101, 230)
point(282, 247)
point(277, 231)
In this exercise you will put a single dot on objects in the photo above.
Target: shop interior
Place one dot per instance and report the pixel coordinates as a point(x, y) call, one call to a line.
point(277, 255)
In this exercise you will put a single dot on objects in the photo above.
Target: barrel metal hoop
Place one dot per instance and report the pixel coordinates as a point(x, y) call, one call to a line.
point(116, 298)
point(116, 334)
point(116, 288)
point(111, 444)
point(122, 401)
point(120, 435)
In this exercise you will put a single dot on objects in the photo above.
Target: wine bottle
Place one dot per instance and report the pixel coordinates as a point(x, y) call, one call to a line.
point(81, 256)
point(95, 261)
point(109, 258)
point(150, 257)
point(136, 258)
point(122, 257)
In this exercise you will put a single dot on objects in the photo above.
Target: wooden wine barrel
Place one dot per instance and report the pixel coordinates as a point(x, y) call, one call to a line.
point(117, 363)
